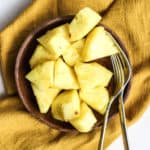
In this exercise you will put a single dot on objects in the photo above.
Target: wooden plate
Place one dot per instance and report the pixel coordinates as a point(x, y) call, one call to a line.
point(22, 68)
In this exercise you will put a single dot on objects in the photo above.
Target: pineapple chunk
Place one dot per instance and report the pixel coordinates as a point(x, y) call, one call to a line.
point(64, 76)
point(44, 97)
point(56, 41)
point(78, 45)
point(66, 106)
point(86, 120)
point(84, 21)
point(97, 45)
point(42, 75)
point(92, 75)
point(71, 56)
point(39, 56)
point(97, 98)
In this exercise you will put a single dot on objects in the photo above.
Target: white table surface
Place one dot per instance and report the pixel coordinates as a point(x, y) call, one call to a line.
point(139, 133)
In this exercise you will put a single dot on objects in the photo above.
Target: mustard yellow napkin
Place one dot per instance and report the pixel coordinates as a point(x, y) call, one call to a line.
point(129, 19)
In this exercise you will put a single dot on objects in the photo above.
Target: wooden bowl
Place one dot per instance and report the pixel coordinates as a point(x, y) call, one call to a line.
point(22, 68)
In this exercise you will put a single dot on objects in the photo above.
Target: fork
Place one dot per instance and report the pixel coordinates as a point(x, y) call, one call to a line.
point(118, 90)
point(122, 77)
point(119, 64)
point(126, 72)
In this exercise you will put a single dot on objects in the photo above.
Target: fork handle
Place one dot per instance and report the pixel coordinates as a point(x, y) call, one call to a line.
point(103, 129)
point(2, 85)
point(123, 122)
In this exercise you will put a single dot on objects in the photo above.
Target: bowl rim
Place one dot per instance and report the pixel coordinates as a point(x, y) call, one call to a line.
point(27, 40)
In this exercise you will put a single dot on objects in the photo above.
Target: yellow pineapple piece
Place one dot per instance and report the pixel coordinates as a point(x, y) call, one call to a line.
point(78, 45)
point(71, 56)
point(92, 75)
point(97, 98)
point(97, 45)
point(66, 106)
point(83, 22)
point(40, 55)
point(64, 76)
point(85, 121)
point(42, 75)
point(44, 97)
point(56, 41)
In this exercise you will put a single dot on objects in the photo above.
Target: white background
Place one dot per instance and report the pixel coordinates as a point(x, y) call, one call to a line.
point(139, 133)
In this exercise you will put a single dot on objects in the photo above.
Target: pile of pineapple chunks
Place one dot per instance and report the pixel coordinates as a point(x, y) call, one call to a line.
point(64, 77)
